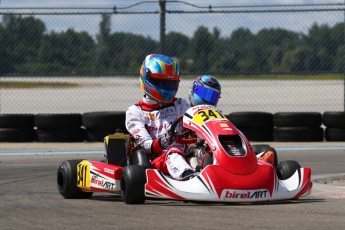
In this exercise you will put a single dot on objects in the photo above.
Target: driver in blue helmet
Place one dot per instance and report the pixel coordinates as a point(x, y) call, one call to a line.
point(206, 90)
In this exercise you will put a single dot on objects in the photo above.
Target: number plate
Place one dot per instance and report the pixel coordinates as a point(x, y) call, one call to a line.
point(206, 115)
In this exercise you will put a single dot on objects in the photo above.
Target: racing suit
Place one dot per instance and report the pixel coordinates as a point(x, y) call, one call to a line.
point(147, 121)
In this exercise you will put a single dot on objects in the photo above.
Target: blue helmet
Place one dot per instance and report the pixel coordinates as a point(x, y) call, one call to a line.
point(205, 90)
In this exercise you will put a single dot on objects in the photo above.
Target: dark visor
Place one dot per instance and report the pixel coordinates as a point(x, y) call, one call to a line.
point(207, 94)
point(164, 84)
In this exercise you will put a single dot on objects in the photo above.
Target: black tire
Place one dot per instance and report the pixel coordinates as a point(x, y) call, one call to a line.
point(61, 135)
point(263, 148)
point(48, 121)
point(297, 134)
point(334, 119)
point(133, 184)
point(286, 169)
point(17, 121)
point(17, 135)
point(334, 134)
point(104, 120)
point(251, 119)
point(67, 181)
point(258, 134)
point(297, 119)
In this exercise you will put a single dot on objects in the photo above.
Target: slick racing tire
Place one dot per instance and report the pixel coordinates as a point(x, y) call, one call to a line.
point(298, 134)
point(335, 134)
point(17, 121)
point(297, 119)
point(251, 119)
point(67, 181)
point(17, 135)
point(133, 184)
point(104, 121)
point(286, 169)
point(60, 120)
point(263, 148)
point(334, 119)
point(258, 134)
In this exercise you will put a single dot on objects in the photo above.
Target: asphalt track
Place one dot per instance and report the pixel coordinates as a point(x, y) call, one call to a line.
point(29, 198)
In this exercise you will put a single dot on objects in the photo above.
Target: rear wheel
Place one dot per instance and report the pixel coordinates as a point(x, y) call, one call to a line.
point(133, 184)
point(286, 169)
point(67, 181)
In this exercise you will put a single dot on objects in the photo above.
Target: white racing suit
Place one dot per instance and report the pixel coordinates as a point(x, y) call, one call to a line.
point(148, 120)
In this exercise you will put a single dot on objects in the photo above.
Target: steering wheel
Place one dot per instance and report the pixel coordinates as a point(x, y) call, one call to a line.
point(187, 137)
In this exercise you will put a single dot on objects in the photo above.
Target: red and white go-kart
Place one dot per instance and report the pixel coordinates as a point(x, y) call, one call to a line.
point(237, 176)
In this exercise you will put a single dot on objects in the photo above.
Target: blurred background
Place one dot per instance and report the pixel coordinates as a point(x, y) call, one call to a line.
point(81, 56)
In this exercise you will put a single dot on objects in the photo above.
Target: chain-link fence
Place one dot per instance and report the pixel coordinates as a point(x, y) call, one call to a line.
point(267, 58)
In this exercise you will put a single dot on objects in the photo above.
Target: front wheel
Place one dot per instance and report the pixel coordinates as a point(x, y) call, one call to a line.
point(264, 148)
point(286, 169)
point(67, 181)
point(133, 184)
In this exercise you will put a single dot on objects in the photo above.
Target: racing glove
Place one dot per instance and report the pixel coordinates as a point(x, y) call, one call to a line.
point(166, 140)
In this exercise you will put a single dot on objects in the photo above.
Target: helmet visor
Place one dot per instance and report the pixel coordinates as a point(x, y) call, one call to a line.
point(207, 94)
point(164, 84)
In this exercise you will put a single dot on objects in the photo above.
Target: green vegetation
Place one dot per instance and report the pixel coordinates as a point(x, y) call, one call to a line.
point(25, 84)
point(27, 49)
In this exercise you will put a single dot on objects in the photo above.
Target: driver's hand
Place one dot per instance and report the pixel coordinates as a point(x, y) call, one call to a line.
point(166, 140)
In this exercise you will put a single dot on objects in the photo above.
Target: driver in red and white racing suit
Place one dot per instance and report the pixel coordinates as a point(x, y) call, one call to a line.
point(148, 121)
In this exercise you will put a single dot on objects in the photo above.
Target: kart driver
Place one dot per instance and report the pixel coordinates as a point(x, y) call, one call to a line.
point(148, 121)
point(206, 90)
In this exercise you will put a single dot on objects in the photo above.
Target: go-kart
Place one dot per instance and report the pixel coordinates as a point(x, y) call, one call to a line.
point(237, 175)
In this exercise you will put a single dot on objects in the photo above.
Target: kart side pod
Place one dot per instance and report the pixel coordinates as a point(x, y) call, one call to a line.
point(96, 176)
point(105, 177)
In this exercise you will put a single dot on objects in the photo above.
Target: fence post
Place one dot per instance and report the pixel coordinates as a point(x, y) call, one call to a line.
point(344, 60)
point(162, 4)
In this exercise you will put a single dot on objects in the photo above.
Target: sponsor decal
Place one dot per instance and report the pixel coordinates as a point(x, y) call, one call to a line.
point(102, 183)
point(233, 149)
point(154, 128)
point(224, 125)
point(135, 132)
point(171, 167)
point(201, 107)
point(261, 194)
point(151, 116)
point(109, 171)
